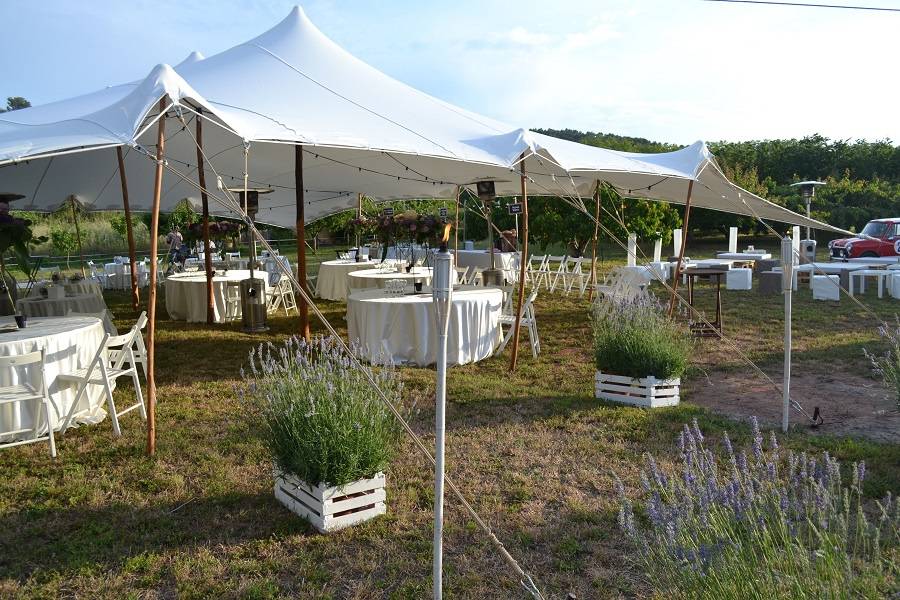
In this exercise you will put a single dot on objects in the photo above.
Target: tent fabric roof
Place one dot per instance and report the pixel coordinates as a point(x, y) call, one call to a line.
point(362, 132)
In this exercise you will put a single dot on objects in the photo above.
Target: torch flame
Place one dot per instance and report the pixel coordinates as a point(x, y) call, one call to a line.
point(446, 237)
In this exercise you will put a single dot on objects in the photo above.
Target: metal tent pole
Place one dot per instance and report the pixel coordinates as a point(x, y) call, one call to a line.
point(787, 284)
point(596, 236)
point(684, 235)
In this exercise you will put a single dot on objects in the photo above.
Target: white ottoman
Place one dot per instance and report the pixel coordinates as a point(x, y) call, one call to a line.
point(826, 287)
point(739, 279)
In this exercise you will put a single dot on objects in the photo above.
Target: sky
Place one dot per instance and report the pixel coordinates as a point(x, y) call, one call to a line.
point(668, 70)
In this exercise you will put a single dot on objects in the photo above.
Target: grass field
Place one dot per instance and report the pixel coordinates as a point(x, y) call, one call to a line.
point(533, 452)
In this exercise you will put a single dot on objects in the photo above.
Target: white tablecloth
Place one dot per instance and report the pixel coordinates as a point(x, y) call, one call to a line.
point(186, 294)
point(332, 281)
point(38, 306)
point(70, 343)
point(402, 329)
point(375, 278)
point(84, 286)
point(508, 261)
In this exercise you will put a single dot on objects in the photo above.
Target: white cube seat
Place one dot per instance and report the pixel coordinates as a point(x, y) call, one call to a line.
point(893, 285)
point(739, 279)
point(826, 287)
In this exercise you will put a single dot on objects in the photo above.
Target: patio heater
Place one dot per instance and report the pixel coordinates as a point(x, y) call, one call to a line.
point(442, 295)
point(253, 289)
point(808, 192)
point(487, 195)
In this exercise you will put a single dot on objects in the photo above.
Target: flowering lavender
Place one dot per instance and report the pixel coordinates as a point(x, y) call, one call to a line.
point(320, 417)
point(887, 365)
point(764, 523)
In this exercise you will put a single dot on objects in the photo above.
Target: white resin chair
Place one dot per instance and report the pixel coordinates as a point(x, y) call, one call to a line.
point(114, 359)
point(534, 270)
point(282, 295)
point(475, 277)
point(97, 274)
point(26, 393)
point(574, 276)
point(461, 274)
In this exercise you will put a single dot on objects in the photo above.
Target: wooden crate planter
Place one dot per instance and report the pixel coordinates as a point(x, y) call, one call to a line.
point(648, 392)
point(332, 508)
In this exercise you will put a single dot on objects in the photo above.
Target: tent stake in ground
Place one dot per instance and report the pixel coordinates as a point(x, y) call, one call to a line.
point(596, 235)
point(684, 236)
point(301, 242)
point(204, 200)
point(523, 264)
point(129, 232)
point(151, 296)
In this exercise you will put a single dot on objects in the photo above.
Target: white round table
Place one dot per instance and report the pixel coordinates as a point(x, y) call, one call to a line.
point(375, 278)
point(83, 286)
point(38, 306)
point(70, 343)
point(401, 329)
point(186, 294)
point(332, 281)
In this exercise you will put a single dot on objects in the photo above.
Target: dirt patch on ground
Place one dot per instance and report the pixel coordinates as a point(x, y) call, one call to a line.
point(851, 405)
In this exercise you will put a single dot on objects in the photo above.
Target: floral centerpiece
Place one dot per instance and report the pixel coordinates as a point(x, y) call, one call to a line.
point(408, 227)
point(330, 436)
point(219, 231)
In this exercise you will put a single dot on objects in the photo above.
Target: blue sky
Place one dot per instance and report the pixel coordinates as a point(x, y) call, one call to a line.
point(669, 70)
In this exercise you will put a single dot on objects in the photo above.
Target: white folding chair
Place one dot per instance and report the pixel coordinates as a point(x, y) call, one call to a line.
point(574, 275)
point(282, 295)
point(533, 272)
point(97, 274)
point(461, 274)
point(557, 275)
point(26, 393)
point(528, 321)
point(232, 300)
point(114, 359)
point(475, 277)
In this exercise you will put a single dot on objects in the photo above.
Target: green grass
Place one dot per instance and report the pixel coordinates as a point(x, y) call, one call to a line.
point(532, 450)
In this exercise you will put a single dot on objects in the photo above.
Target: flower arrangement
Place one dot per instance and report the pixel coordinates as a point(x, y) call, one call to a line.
point(635, 338)
point(320, 418)
point(16, 236)
point(761, 524)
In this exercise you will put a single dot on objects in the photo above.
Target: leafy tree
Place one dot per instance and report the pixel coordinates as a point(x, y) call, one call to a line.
point(182, 216)
point(15, 103)
point(64, 242)
point(120, 224)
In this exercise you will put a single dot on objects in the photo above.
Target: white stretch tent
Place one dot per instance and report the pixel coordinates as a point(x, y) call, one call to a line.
point(362, 131)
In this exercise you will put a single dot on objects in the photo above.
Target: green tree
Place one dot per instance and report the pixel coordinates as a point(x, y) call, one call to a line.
point(15, 103)
point(120, 224)
point(64, 242)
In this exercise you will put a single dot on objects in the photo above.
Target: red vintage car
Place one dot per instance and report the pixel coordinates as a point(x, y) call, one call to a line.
point(882, 238)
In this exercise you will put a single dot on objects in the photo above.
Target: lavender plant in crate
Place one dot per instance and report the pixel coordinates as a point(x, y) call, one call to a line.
point(763, 523)
point(330, 436)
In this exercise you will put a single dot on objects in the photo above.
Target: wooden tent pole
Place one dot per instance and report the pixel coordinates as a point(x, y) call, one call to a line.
point(151, 295)
point(684, 236)
point(456, 226)
point(523, 264)
point(73, 201)
point(204, 200)
point(596, 236)
point(301, 241)
point(129, 231)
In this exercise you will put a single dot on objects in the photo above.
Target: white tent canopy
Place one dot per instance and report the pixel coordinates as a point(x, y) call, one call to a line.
point(362, 132)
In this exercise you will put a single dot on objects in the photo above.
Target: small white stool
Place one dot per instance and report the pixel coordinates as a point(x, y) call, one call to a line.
point(826, 287)
point(893, 284)
point(739, 279)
